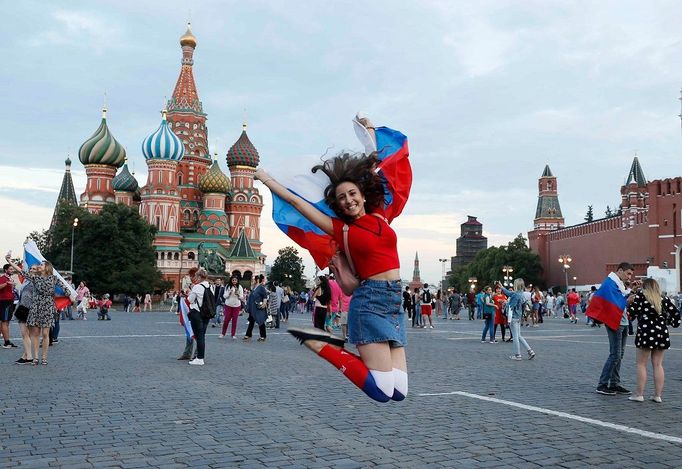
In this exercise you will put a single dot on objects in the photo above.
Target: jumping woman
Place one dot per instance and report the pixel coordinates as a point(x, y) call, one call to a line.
point(356, 194)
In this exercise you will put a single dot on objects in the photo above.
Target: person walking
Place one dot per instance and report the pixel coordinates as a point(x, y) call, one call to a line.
point(426, 307)
point(654, 313)
point(42, 312)
point(322, 295)
point(186, 284)
point(518, 301)
point(455, 304)
point(6, 304)
point(234, 297)
point(147, 302)
point(416, 308)
point(488, 314)
point(197, 297)
point(257, 308)
point(219, 293)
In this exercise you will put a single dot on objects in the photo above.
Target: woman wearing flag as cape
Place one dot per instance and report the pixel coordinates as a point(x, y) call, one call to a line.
point(361, 194)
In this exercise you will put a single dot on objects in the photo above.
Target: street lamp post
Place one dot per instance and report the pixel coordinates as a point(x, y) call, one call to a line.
point(73, 230)
point(472, 283)
point(507, 279)
point(565, 260)
point(442, 278)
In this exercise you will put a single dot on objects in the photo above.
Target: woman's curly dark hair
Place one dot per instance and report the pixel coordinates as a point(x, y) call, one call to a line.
point(359, 169)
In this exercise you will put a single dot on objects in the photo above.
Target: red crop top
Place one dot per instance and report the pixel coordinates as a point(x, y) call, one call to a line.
point(372, 243)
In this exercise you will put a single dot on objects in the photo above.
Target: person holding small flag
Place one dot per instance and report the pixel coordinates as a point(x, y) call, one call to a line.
point(43, 310)
point(608, 305)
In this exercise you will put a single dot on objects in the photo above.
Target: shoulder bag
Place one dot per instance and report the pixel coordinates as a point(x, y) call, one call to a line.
point(342, 267)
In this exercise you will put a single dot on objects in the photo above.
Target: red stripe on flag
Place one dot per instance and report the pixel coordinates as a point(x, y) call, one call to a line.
point(604, 311)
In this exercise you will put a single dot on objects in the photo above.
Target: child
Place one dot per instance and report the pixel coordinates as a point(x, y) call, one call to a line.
point(104, 305)
point(82, 308)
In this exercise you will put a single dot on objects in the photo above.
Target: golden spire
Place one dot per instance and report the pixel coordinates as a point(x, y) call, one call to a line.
point(188, 38)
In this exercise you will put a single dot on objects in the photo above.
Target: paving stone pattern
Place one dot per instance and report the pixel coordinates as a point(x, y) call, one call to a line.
point(114, 395)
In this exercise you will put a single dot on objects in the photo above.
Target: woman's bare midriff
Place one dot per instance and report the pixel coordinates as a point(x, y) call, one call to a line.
point(389, 275)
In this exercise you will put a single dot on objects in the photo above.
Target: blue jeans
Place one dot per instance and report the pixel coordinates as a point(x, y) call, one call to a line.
point(515, 327)
point(488, 326)
point(610, 374)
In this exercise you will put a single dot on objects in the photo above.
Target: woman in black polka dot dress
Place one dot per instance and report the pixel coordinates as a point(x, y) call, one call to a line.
point(654, 313)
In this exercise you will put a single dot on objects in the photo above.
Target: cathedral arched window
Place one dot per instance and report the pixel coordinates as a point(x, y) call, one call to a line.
point(190, 256)
point(179, 179)
point(176, 256)
point(163, 256)
point(185, 216)
point(549, 185)
point(195, 214)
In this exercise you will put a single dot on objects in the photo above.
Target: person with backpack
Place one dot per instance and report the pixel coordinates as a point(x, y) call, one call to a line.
point(517, 304)
point(201, 310)
point(427, 307)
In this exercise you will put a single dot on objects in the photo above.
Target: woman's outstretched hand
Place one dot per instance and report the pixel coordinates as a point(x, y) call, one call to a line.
point(261, 175)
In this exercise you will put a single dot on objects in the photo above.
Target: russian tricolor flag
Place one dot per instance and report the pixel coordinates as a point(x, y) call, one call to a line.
point(33, 256)
point(608, 302)
point(184, 318)
point(394, 169)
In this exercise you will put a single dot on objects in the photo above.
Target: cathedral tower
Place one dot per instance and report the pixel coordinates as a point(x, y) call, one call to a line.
point(213, 220)
point(160, 204)
point(244, 203)
point(186, 118)
point(634, 194)
point(548, 212)
point(101, 154)
point(67, 195)
point(125, 186)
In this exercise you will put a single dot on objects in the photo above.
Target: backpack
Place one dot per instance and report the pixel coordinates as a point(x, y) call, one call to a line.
point(427, 296)
point(207, 308)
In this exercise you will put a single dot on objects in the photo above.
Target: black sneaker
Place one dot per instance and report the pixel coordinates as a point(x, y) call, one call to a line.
point(620, 390)
point(605, 390)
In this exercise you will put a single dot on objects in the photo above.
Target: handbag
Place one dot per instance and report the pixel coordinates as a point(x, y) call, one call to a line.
point(342, 267)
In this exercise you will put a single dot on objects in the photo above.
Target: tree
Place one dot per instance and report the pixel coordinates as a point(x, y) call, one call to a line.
point(288, 269)
point(487, 265)
point(590, 214)
point(113, 249)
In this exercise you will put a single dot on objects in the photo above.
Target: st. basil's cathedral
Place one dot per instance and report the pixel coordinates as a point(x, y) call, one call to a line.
point(189, 199)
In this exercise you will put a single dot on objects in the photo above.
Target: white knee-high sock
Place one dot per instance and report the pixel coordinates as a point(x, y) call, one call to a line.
point(384, 381)
point(400, 381)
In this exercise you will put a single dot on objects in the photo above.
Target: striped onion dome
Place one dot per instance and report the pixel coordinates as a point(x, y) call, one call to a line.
point(102, 147)
point(163, 144)
point(243, 153)
point(124, 181)
point(215, 180)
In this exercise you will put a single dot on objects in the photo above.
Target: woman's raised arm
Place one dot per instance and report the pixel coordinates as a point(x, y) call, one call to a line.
point(305, 208)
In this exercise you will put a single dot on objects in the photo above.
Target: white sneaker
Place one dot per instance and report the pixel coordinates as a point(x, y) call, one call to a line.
point(196, 361)
point(221, 336)
point(636, 398)
point(430, 327)
point(234, 337)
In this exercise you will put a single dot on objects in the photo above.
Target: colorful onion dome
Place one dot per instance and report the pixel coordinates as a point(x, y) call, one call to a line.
point(102, 147)
point(163, 144)
point(188, 38)
point(215, 180)
point(243, 153)
point(124, 181)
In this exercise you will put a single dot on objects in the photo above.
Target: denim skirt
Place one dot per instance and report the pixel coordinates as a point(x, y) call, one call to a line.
point(376, 314)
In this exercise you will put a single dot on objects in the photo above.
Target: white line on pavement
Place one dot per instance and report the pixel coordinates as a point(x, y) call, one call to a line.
point(601, 423)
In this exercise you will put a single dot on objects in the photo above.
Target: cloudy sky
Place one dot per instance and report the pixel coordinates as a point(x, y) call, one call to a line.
point(488, 93)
